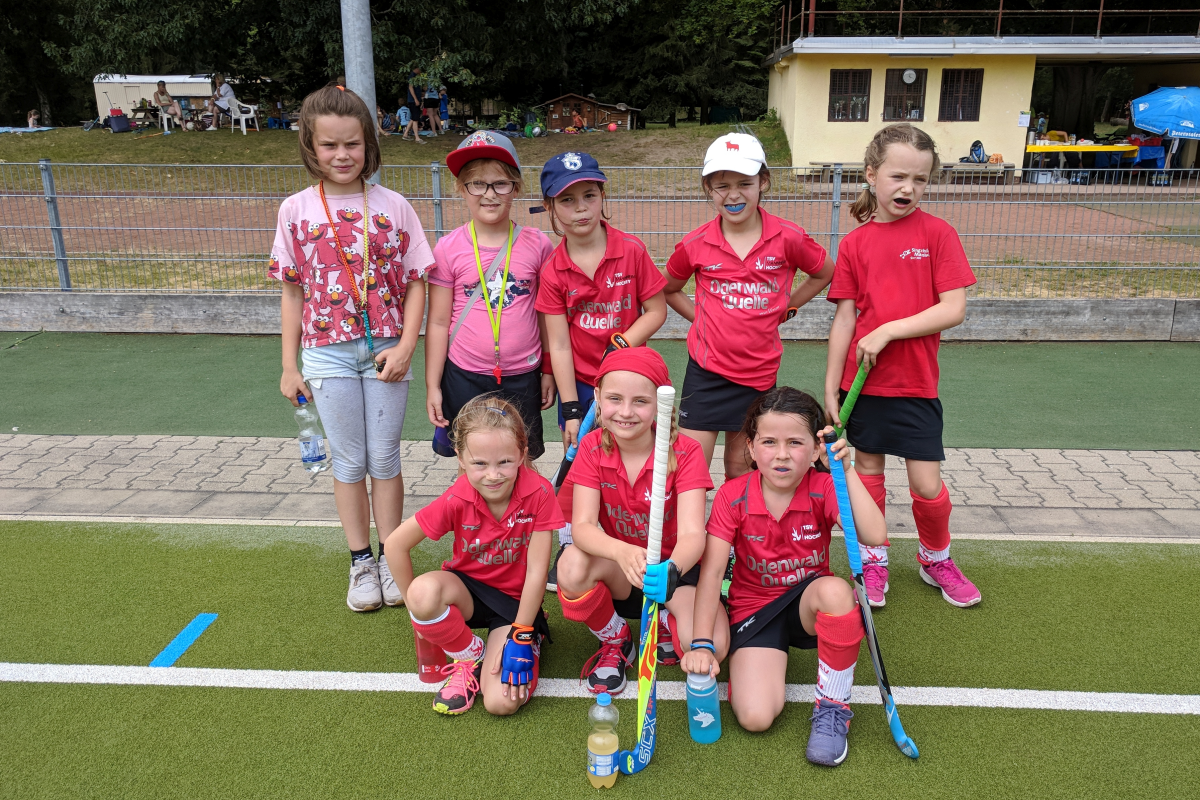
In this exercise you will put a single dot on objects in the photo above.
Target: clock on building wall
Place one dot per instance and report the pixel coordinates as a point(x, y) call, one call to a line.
point(909, 75)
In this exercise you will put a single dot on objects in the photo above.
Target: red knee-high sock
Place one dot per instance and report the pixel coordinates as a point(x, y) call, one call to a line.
point(838, 640)
point(595, 609)
point(450, 632)
point(874, 484)
point(933, 526)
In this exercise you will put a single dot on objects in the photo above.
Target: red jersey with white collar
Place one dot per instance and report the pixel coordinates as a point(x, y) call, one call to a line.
point(493, 551)
point(600, 306)
point(773, 555)
point(893, 270)
point(625, 504)
point(740, 303)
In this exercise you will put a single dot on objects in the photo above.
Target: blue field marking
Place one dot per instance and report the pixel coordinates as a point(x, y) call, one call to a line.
point(183, 641)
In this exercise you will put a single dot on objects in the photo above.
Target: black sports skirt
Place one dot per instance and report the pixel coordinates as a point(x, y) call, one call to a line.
point(907, 427)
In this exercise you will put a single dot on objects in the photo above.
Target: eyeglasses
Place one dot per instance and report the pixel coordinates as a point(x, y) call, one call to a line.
point(479, 188)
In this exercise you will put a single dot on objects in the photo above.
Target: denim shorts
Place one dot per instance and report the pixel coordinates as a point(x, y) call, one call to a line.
point(349, 359)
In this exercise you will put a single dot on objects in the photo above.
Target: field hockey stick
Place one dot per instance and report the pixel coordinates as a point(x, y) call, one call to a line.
point(851, 398)
point(631, 761)
point(838, 471)
point(589, 421)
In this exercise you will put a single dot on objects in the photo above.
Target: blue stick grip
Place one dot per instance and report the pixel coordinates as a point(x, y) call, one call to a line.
point(585, 427)
point(838, 471)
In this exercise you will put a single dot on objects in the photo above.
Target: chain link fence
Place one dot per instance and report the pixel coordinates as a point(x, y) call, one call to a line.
point(191, 228)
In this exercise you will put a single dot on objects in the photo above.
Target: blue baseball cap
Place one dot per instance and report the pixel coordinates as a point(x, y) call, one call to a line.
point(568, 168)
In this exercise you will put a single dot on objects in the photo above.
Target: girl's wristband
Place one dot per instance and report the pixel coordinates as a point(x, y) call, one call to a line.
point(704, 644)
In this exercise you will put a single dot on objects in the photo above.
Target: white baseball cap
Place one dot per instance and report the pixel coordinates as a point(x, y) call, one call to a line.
point(738, 152)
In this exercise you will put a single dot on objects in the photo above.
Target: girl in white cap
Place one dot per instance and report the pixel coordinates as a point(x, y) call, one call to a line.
point(744, 263)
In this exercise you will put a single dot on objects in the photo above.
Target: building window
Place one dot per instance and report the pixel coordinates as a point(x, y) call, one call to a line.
point(904, 95)
point(961, 91)
point(849, 95)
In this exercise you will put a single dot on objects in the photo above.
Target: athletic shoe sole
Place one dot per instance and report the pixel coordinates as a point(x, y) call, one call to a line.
point(397, 604)
point(882, 602)
point(364, 608)
point(925, 576)
point(604, 689)
point(836, 762)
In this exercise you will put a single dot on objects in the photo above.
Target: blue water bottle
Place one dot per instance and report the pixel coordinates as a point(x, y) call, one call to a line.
point(704, 709)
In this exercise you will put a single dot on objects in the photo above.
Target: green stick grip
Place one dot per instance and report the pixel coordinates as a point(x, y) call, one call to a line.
point(851, 398)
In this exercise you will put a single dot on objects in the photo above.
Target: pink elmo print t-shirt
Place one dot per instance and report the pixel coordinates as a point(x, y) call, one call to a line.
point(306, 253)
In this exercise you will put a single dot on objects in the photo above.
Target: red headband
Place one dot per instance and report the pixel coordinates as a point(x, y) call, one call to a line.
point(642, 360)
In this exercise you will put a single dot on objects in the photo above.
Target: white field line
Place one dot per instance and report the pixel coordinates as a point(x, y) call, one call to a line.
point(571, 688)
point(325, 523)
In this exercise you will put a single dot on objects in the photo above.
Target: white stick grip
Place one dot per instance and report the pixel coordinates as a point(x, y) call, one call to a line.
point(658, 487)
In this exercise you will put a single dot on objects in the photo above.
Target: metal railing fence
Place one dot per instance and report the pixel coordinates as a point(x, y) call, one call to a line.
point(193, 228)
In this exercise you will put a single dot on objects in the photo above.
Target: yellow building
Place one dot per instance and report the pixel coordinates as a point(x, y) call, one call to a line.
point(833, 93)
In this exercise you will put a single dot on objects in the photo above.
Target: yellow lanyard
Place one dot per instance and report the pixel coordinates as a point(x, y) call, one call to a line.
point(493, 315)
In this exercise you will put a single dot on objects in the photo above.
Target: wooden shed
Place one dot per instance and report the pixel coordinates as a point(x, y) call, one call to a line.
point(595, 114)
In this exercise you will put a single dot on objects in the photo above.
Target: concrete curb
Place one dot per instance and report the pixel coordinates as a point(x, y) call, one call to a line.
point(988, 319)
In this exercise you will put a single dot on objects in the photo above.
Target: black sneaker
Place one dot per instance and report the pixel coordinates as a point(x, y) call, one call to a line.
point(552, 576)
point(605, 671)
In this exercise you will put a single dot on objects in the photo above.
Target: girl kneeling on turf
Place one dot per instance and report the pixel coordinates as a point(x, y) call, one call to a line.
point(351, 258)
point(602, 576)
point(901, 280)
point(778, 519)
point(500, 513)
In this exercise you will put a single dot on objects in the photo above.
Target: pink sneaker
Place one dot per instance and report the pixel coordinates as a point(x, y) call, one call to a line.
point(956, 589)
point(876, 579)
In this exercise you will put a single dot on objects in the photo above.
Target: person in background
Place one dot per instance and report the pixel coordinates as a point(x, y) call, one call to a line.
point(407, 122)
point(384, 123)
point(33, 119)
point(220, 100)
point(162, 98)
point(444, 109)
point(432, 104)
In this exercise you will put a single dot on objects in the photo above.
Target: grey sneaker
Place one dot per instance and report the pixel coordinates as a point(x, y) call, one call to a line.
point(364, 594)
point(830, 724)
point(391, 592)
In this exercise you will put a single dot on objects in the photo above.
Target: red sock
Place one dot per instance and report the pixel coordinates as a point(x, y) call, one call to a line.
point(933, 522)
point(838, 638)
point(449, 633)
point(594, 609)
point(874, 484)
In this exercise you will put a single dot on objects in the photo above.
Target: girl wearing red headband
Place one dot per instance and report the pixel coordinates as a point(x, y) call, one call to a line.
point(603, 575)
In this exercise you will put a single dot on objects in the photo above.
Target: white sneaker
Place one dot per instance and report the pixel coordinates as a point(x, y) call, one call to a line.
point(364, 594)
point(391, 592)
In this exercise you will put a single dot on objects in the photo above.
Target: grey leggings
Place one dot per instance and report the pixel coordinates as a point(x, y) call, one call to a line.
point(363, 419)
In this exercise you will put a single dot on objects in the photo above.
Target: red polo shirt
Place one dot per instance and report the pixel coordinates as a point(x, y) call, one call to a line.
point(773, 555)
point(625, 504)
point(740, 303)
point(893, 270)
point(598, 307)
point(488, 549)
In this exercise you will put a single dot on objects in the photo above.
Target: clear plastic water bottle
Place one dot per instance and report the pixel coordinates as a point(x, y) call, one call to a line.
point(313, 455)
point(703, 708)
point(602, 743)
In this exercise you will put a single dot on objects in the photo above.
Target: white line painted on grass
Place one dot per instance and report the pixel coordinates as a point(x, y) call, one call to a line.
point(571, 688)
point(324, 523)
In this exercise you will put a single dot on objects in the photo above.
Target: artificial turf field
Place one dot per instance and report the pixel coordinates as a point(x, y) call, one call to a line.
point(1078, 617)
point(1120, 395)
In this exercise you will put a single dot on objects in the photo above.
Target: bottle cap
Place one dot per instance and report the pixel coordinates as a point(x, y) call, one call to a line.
point(700, 681)
point(603, 699)
point(301, 399)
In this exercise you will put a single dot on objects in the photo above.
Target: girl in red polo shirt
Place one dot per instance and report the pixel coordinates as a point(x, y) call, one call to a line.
point(598, 282)
point(500, 513)
point(901, 280)
point(778, 519)
point(602, 576)
point(744, 263)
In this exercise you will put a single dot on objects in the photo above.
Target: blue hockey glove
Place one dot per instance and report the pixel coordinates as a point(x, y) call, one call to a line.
point(660, 581)
point(516, 668)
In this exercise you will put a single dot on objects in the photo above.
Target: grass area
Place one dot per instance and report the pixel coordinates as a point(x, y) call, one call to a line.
point(656, 146)
point(1068, 395)
point(278, 594)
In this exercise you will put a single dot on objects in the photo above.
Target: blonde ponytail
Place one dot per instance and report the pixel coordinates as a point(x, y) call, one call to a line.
point(900, 133)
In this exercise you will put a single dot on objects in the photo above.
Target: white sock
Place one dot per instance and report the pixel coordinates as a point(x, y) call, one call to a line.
point(613, 631)
point(564, 535)
point(873, 555)
point(473, 652)
point(834, 684)
point(932, 556)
